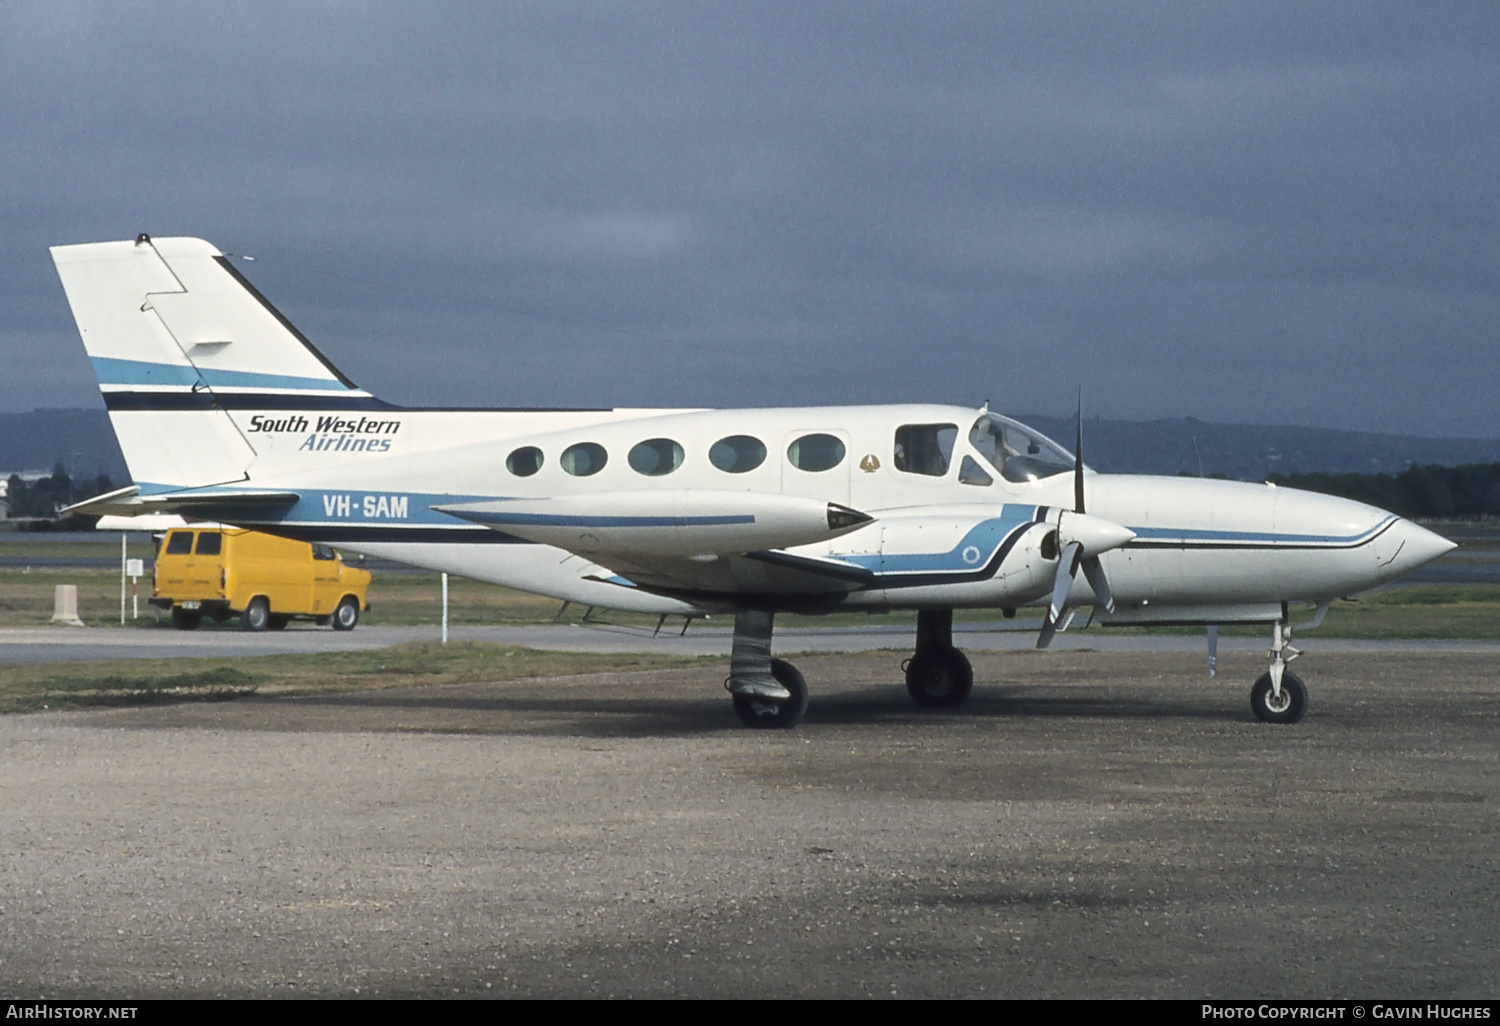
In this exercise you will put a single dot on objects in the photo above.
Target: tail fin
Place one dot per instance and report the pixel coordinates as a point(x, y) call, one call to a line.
point(177, 336)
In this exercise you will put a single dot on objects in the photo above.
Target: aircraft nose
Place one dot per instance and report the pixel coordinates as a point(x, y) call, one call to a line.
point(1408, 546)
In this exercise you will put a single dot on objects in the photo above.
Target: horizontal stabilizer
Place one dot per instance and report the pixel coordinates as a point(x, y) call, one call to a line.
point(665, 523)
point(128, 502)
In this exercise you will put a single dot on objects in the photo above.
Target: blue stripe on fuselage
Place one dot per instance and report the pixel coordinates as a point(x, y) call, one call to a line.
point(564, 520)
point(973, 552)
point(1190, 536)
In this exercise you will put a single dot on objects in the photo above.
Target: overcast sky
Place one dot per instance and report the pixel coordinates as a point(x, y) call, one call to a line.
point(1240, 212)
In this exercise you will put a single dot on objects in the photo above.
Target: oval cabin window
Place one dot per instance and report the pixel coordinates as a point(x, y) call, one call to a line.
point(583, 459)
point(655, 457)
point(814, 453)
point(525, 461)
point(737, 454)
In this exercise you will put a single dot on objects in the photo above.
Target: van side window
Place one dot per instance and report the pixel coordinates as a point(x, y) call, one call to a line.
point(209, 543)
point(180, 543)
point(322, 552)
point(925, 448)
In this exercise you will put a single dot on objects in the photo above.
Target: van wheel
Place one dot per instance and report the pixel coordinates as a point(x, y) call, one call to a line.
point(186, 619)
point(257, 615)
point(347, 614)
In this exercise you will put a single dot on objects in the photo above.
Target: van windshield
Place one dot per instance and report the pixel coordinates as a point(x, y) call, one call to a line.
point(1016, 451)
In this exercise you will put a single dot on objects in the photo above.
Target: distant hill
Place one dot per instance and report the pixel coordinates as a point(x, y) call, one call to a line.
point(81, 439)
point(1250, 452)
point(85, 443)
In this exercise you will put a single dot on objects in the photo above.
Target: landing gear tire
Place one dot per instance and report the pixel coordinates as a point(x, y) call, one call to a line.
point(257, 615)
point(186, 619)
point(939, 678)
point(771, 713)
point(1291, 705)
point(347, 614)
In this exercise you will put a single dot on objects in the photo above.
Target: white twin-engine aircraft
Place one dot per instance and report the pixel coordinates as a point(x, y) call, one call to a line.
point(226, 412)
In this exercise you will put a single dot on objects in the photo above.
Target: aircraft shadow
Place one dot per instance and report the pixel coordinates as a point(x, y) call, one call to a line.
point(646, 716)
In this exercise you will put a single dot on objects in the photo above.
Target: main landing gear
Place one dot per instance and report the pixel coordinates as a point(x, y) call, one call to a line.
point(1279, 696)
point(937, 675)
point(768, 693)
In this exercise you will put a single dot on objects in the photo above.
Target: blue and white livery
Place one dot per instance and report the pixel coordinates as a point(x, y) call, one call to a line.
point(226, 412)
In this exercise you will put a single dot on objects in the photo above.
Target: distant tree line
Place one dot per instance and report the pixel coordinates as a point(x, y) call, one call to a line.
point(1471, 490)
point(39, 500)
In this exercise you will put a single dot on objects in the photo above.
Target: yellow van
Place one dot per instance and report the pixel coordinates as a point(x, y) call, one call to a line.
point(222, 572)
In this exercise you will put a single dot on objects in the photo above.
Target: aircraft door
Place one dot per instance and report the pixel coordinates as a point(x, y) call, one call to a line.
point(815, 464)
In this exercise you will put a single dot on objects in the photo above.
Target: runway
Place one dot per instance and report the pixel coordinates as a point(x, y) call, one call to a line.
point(58, 643)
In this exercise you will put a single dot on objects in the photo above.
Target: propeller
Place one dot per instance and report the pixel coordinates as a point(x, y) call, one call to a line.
point(1081, 538)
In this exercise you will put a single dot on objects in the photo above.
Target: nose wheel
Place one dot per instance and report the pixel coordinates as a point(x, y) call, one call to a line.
point(1287, 706)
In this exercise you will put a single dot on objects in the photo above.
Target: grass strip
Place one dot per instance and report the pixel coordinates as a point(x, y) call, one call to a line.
point(29, 687)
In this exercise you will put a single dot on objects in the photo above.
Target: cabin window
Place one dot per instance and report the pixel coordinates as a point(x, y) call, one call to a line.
point(970, 473)
point(525, 461)
point(925, 448)
point(322, 552)
point(655, 457)
point(583, 459)
point(209, 543)
point(737, 454)
point(180, 543)
point(1016, 451)
point(814, 453)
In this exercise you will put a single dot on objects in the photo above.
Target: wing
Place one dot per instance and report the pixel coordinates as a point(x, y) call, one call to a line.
point(687, 543)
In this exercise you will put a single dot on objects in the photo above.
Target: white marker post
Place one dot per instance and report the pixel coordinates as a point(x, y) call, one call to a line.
point(136, 568)
point(122, 578)
point(445, 607)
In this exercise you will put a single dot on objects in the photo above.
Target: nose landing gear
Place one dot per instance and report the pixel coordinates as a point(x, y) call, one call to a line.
point(1279, 696)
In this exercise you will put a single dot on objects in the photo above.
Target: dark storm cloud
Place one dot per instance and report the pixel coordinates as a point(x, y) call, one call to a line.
point(1240, 212)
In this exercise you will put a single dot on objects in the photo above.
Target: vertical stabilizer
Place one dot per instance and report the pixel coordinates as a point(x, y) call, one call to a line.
point(176, 338)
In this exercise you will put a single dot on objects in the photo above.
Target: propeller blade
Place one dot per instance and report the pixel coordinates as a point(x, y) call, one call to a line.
point(1078, 459)
point(1067, 570)
point(1093, 570)
point(1049, 628)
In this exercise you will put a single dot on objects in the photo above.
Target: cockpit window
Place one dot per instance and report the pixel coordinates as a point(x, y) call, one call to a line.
point(925, 448)
point(1016, 451)
point(970, 472)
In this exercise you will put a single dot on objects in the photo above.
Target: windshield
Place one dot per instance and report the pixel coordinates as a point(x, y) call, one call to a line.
point(1016, 451)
